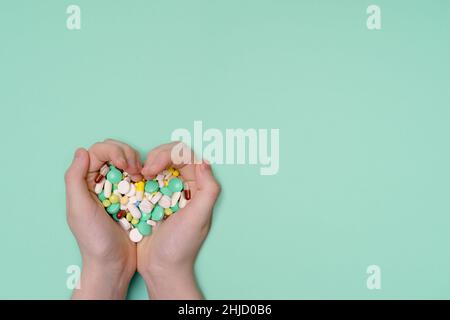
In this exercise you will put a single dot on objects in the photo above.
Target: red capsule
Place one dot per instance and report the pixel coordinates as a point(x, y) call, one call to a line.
point(98, 178)
point(121, 214)
point(187, 194)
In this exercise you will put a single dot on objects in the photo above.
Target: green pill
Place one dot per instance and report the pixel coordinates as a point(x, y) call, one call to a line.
point(144, 228)
point(114, 208)
point(157, 213)
point(146, 216)
point(166, 191)
point(114, 175)
point(151, 186)
point(101, 196)
point(175, 208)
point(175, 185)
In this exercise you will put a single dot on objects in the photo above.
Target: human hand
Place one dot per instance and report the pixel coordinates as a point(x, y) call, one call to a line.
point(166, 258)
point(109, 257)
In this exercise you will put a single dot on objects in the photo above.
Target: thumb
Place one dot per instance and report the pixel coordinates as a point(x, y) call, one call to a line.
point(76, 188)
point(208, 189)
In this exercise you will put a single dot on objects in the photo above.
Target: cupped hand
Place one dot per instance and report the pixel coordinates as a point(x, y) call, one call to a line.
point(166, 258)
point(109, 257)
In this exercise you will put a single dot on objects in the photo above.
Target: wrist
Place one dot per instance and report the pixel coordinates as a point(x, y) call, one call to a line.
point(102, 281)
point(176, 283)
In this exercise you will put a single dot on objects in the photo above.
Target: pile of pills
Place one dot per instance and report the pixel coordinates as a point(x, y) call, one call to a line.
point(138, 206)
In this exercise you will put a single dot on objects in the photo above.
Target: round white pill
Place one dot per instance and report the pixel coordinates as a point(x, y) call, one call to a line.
point(132, 191)
point(135, 235)
point(123, 187)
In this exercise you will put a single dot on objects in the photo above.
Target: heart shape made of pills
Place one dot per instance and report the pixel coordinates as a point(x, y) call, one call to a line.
point(138, 206)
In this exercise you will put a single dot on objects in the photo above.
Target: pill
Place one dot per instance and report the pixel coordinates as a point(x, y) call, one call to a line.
point(175, 197)
point(157, 213)
point(124, 224)
point(124, 187)
point(182, 203)
point(165, 202)
point(166, 191)
point(151, 186)
point(121, 214)
point(135, 212)
point(114, 215)
point(135, 235)
point(168, 211)
point(175, 185)
point(117, 193)
point(132, 191)
point(98, 178)
point(146, 216)
point(151, 222)
point(167, 176)
point(129, 217)
point(114, 175)
point(106, 203)
point(104, 170)
point(114, 198)
point(113, 208)
point(134, 221)
point(132, 200)
point(101, 196)
point(144, 228)
point(156, 198)
point(176, 173)
point(160, 179)
point(107, 188)
point(99, 186)
point(146, 206)
point(187, 191)
point(175, 208)
point(124, 200)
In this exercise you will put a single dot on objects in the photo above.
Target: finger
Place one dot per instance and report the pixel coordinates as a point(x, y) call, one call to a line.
point(208, 190)
point(76, 187)
point(104, 152)
point(162, 157)
point(133, 159)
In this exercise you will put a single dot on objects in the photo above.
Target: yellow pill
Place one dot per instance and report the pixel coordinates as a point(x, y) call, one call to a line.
point(176, 173)
point(106, 203)
point(114, 198)
point(134, 221)
point(124, 200)
point(129, 217)
point(166, 183)
point(168, 211)
point(140, 186)
point(171, 170)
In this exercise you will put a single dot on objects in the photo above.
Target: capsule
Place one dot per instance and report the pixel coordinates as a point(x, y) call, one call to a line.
point(98, 178)
point(187, 191)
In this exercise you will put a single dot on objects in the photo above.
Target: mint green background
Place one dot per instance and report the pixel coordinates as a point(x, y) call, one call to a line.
point(364, 119)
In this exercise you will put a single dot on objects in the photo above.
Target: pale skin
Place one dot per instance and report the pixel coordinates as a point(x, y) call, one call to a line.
point(166, 258)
